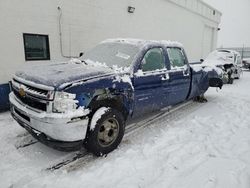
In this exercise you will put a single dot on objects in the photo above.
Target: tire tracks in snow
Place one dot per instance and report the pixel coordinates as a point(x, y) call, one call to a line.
point(25, 140)
point(80, 159)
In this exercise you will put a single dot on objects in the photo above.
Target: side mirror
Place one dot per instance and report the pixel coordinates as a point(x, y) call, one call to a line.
point(201, 60)
point(81, 54)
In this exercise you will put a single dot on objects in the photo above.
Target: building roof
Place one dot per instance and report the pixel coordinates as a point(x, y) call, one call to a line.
point(142, 42)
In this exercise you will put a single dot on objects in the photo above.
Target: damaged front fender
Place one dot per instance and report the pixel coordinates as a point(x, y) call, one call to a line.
point(116, 90)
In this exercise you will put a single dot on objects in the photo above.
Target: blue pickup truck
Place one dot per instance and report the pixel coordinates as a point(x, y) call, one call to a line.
point(88, 101)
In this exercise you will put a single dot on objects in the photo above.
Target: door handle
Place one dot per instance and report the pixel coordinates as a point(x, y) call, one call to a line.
point(185, 73)
point(165, 77)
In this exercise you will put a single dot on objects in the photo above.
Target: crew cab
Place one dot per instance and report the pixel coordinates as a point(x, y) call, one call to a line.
point(88, 101)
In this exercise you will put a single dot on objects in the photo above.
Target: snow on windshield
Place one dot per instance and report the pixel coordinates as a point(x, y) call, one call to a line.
point(221, 55)
point(120, 54)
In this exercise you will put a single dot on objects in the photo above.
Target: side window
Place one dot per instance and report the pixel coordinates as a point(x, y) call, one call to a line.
point(176, 57)
point(239, 61)
point(153, 60)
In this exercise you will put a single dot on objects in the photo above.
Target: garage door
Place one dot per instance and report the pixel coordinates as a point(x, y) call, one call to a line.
point(208, 39)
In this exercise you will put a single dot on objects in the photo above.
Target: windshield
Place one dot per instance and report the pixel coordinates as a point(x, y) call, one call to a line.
point(220, 55)
point(120, 54)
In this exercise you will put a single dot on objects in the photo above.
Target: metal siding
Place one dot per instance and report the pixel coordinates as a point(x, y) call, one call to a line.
point(85, 23)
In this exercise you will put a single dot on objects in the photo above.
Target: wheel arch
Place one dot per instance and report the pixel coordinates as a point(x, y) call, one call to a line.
point(114, 100)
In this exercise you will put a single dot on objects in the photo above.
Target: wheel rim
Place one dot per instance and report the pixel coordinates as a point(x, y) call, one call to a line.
point(108, 132)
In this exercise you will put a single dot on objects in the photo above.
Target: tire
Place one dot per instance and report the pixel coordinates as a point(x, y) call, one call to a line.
point(107, 133)
point(238, 76)
point(230, 81)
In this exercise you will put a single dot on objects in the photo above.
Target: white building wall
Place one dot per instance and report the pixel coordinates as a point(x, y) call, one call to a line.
point(87, 22)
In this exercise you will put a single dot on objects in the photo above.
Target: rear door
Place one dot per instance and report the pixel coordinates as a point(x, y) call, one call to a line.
point(147, 82)
point(179, 75)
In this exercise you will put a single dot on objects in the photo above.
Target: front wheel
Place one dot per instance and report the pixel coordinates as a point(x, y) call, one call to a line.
point(106, 131)
point(230, 78)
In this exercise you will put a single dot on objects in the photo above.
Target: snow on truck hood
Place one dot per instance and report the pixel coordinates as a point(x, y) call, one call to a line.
point(56, 74)
point(214, 62)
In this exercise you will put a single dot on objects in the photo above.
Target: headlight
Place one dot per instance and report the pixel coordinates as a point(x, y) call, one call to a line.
point(64, 102)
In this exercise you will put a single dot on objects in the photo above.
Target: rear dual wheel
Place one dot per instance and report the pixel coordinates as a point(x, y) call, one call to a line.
point(107, 133)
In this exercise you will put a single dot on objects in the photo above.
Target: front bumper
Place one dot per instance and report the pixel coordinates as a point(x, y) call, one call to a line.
point(60, 127)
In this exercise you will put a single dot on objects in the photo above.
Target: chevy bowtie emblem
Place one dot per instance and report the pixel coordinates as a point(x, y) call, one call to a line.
point(22, 92)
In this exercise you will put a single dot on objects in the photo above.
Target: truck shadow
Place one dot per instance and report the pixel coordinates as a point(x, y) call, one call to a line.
point(49, 159)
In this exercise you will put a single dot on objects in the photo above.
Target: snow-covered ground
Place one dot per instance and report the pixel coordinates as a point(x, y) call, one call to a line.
point(203, 145)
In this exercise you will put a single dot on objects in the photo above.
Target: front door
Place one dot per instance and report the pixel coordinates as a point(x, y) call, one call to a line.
point(148, 93)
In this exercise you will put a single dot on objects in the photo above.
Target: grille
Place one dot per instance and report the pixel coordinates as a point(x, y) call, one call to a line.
point(36, 92)
point(30, 101)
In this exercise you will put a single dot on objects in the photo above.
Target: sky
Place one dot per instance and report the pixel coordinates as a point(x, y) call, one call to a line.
point(235, 23)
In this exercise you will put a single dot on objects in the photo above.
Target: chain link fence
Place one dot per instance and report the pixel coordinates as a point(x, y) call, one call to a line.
point(244, 51)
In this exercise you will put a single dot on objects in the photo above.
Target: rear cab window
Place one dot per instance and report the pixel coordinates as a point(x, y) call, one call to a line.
point(176, 57)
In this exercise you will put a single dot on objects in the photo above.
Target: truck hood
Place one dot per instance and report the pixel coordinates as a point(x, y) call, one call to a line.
point(58, 74)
